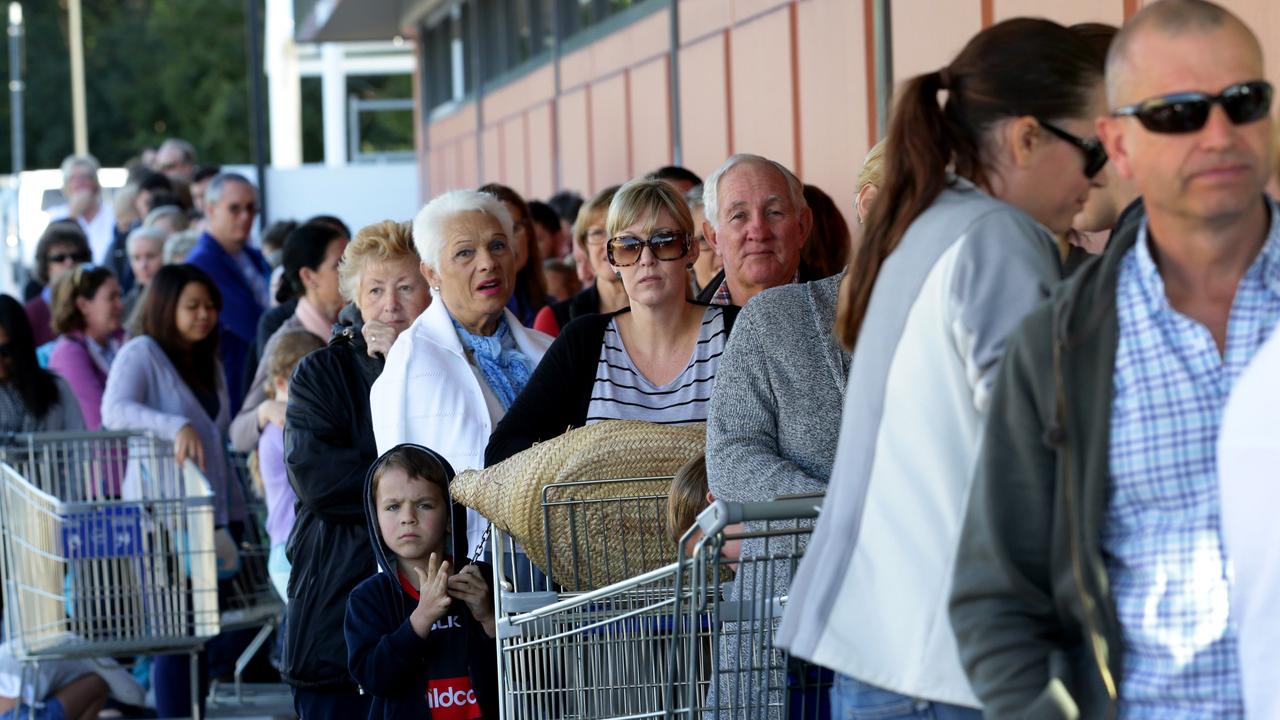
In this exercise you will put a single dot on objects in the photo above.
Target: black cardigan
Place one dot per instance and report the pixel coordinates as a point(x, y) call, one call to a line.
point(559, 391)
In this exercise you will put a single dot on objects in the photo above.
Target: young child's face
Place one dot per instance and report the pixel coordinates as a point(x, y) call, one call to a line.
point(413, 515)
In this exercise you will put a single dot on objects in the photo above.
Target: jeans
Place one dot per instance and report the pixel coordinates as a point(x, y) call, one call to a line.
point(855, 700)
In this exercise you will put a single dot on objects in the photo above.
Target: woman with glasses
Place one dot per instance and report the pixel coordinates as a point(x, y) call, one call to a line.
point(605, 294)
point(62, 246)
point(530, 292)
point(32, 399)
point(654, 361)
point(88, 315)
point(987, 159)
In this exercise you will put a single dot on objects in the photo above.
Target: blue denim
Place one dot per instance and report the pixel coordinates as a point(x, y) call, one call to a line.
point(855, 700)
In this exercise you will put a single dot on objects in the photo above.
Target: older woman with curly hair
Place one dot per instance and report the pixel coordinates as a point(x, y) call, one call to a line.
point(329, 447)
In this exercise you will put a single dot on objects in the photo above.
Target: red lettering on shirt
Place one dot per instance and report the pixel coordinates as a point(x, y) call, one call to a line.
point(452, 699)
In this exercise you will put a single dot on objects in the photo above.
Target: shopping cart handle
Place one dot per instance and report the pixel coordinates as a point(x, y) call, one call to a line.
point(721, 513)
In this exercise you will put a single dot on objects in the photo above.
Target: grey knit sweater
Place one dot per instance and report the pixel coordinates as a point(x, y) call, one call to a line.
point(776, 407)
point(775, 417)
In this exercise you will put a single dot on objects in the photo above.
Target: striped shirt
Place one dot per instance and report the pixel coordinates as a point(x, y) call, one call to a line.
point(1162, 540)
point(622, 392)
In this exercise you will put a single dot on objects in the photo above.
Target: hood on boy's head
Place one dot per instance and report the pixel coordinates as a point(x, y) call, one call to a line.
point(455, 544)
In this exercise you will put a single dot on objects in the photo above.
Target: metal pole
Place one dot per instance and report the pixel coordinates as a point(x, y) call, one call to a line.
point(16, 129)
point(883, 29)
point(257, 118)
point(79, 121)
point(677, 145)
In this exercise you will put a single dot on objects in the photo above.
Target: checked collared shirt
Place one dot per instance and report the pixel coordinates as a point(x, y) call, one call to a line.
point(1162, 539)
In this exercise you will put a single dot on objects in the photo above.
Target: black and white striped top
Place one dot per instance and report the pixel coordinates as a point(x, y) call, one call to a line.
point(621, 392)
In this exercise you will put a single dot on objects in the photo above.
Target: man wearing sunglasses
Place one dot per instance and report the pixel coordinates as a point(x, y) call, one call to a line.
point(1091, 579)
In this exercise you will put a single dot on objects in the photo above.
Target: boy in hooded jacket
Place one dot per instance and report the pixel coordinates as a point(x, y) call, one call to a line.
point(420, 636)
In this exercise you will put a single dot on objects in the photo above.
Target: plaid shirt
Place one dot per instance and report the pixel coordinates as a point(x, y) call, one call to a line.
point(1162, 539)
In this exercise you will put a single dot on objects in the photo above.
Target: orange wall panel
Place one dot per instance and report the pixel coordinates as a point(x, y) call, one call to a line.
point(453, 126)
point(761, 97)
point(514, 97)
point(704, 108)
point(650, 116)
point(542, 142)
point(575, 142)
point(493, 156)
point(468, 169)
point(610, 133)
point(927, 34)
point(1108, 11)
point(515, 165)
point(833, 118)
point(747, 9)
point(699, 18)
point(631, 45)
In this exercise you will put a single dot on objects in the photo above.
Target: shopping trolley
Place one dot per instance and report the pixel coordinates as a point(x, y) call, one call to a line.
point(108, 549)
point(249, 600)
point(727, 606)
point(605, 545)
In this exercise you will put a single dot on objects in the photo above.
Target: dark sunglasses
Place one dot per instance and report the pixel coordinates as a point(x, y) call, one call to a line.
point(665, 245)
point(1188, 111)
point(1095, 155)
point(63, 257)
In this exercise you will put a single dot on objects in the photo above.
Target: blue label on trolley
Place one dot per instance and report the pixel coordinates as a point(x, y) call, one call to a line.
point(111, 532)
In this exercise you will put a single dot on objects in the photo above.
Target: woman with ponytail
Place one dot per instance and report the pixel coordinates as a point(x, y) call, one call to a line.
point(986, 160)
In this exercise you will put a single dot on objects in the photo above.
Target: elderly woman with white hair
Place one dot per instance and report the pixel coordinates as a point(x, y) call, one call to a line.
point(453, 374)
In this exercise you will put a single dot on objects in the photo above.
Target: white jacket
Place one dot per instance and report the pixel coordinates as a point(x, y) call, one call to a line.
point(428, 394)
point(1248, 454)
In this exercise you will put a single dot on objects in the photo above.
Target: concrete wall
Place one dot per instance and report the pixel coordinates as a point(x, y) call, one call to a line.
point(788, 79)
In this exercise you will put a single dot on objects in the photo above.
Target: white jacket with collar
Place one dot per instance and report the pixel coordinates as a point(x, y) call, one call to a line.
point(428, 394)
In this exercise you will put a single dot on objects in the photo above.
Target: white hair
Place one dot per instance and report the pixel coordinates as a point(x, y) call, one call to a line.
point(213, 191)
point(428, 225)
point(710, 189)
point(145, 232)
point(179, 245)
point(72, 162)
point(187, 150)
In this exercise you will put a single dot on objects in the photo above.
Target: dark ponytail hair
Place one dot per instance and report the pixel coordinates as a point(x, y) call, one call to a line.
point(304, 248)
point(1017, 68)
point(34, 384)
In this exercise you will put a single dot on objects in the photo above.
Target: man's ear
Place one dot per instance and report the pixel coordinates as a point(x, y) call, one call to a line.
point(709, 233)
point(1111, 132)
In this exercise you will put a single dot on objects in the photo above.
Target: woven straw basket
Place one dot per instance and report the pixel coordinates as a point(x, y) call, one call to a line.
point(592, 533)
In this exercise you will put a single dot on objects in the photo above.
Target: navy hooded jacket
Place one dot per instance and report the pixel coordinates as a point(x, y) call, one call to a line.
point(407, 675)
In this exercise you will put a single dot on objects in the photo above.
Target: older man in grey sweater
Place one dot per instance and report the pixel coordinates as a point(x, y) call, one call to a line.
point(775, 417)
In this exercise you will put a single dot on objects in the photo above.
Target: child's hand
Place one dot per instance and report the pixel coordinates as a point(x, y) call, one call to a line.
point(470, 587)
point(433, 595)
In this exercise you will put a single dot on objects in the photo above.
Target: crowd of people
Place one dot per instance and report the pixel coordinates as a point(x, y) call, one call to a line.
point(1008, 379)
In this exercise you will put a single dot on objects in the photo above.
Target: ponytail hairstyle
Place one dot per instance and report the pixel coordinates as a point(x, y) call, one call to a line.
point(1017, 68)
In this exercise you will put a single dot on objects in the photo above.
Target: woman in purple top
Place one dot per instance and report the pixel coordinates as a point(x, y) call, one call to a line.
point(287, 351)
point(87, 315)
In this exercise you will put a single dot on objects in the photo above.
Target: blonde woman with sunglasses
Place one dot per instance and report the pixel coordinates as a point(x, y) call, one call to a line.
point(654, 361)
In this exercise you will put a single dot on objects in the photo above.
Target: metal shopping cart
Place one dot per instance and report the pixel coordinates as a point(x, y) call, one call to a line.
point(596, 532)
point(724, 645)
point(249, 600)
point(108, 548)
point(651, 646)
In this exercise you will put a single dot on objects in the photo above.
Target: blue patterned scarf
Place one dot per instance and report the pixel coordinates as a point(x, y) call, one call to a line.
point(506, 369)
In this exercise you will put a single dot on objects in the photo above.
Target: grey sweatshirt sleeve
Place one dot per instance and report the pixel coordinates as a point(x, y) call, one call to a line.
point(70, 416)
point(244, 431)
point(124, 400)
point(1005, 268)
point(744, 462)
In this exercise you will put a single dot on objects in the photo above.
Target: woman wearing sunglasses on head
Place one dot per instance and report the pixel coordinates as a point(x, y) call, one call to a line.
point(986, 160)
point(62, 246)
point(88, 316)
point(654, 361)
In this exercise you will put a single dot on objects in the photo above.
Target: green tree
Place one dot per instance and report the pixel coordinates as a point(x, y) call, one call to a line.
point(153, 69)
